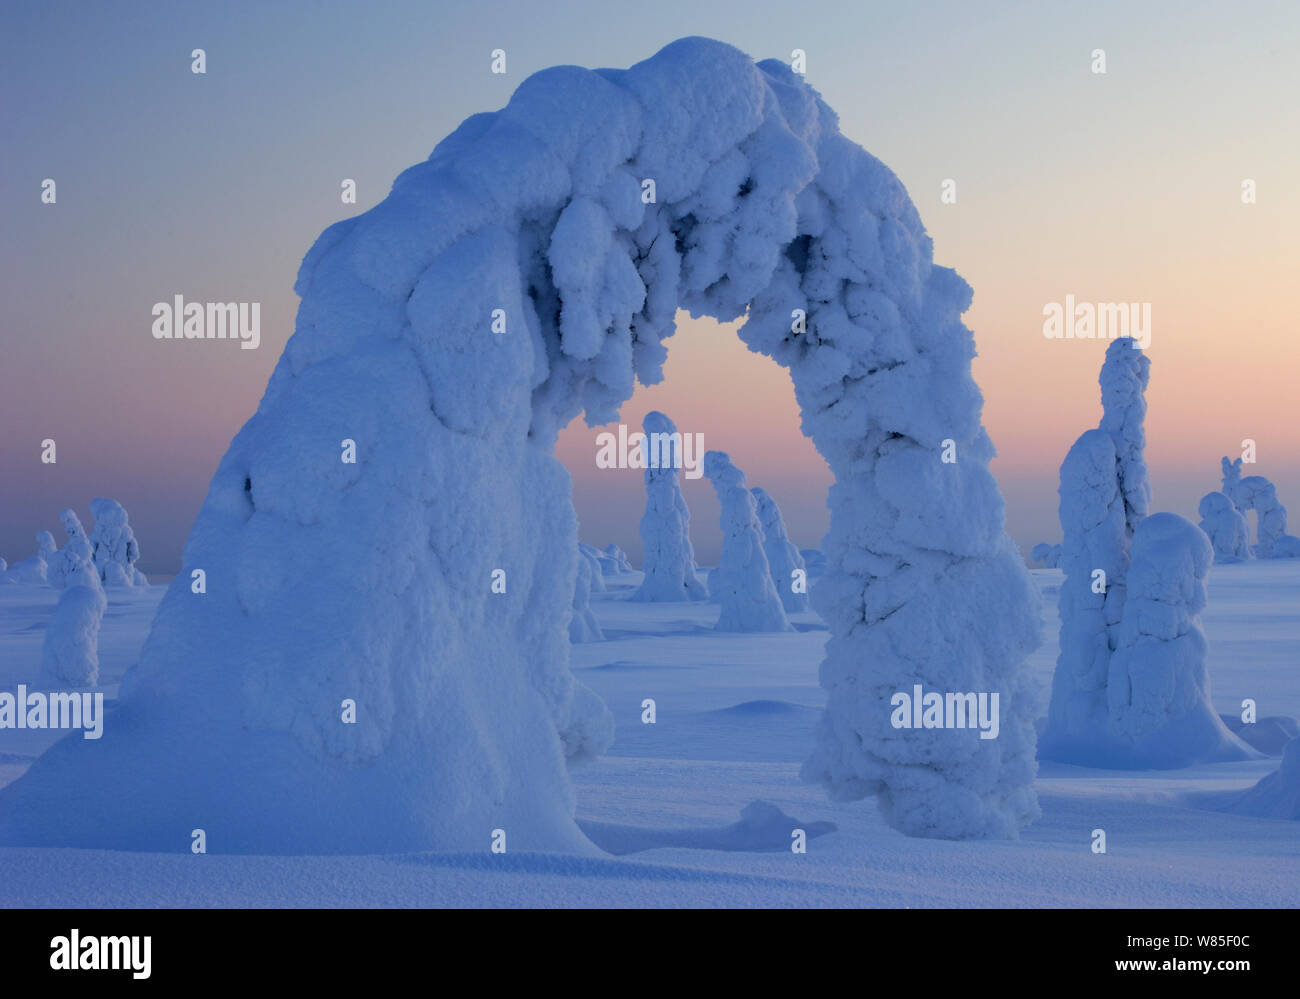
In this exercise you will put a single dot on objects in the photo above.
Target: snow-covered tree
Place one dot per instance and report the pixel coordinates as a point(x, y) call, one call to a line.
point(744, 582)
point(1255, 492)
point(70, 655)
point(783, 558)
point(1158, 691)
point(669, 563)
point(64, 562)
point(618, 559)
point(35, 570)
point(1104, 495)
point(517, 279)
point(1130, 687)
point(1226, 528)
point(593, 559)
point(113, 545)
point(1047, 555)
point(583, 626)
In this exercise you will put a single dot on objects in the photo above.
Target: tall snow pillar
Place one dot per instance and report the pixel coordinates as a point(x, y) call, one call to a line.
point(666, 526)
point(744, 581)
point(789, 573)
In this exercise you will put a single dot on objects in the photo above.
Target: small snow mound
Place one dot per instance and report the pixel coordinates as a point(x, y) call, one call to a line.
point(762, 707)
point(1276, 796)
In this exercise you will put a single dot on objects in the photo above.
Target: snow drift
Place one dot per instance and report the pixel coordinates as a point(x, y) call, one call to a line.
point(528, 272)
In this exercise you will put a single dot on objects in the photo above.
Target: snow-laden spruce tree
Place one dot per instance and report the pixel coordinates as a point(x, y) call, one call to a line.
point(783, 558)
point(744, 580)
point(669, 563)
point(70, 654)
point(113, 545)
point(530, 271)
point(1226, 528)
point(1158, 691)
point(583, 626)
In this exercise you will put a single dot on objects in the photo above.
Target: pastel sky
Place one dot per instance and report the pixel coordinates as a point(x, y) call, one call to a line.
point(1116, 187)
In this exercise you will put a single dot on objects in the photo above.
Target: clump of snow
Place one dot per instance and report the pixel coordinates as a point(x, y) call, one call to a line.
point(1269, 734)
point(70, 654)
point(508, 284)
point(744, 582)
point(113, 545)
point(669, 564)
point(1047, 555)
point(783, 558)
point(583, 626)
point(1226, 528)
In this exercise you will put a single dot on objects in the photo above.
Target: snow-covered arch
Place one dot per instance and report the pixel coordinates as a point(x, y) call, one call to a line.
point(519, 277)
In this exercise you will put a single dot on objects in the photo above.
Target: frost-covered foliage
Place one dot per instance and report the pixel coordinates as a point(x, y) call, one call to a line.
point(1047, 555)
point(64, 562)
point(523, 275)
point(583, 626)
point(1226, 528)
point(1158, 690)
point(783, 558)
point(744, 581)
point(70, 655)
point(669, 564)
point(113, 545)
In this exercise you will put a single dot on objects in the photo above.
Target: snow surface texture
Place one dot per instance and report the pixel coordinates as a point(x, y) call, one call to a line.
point(1130, 688)
point(70, 655)
point(1226, 528)
point(666, 526)
point(1048, 556)
point(582, 625)
point(783, 558)
point(114, 546)
point(535, 219)
point(1254, 492)
point(743, 584)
